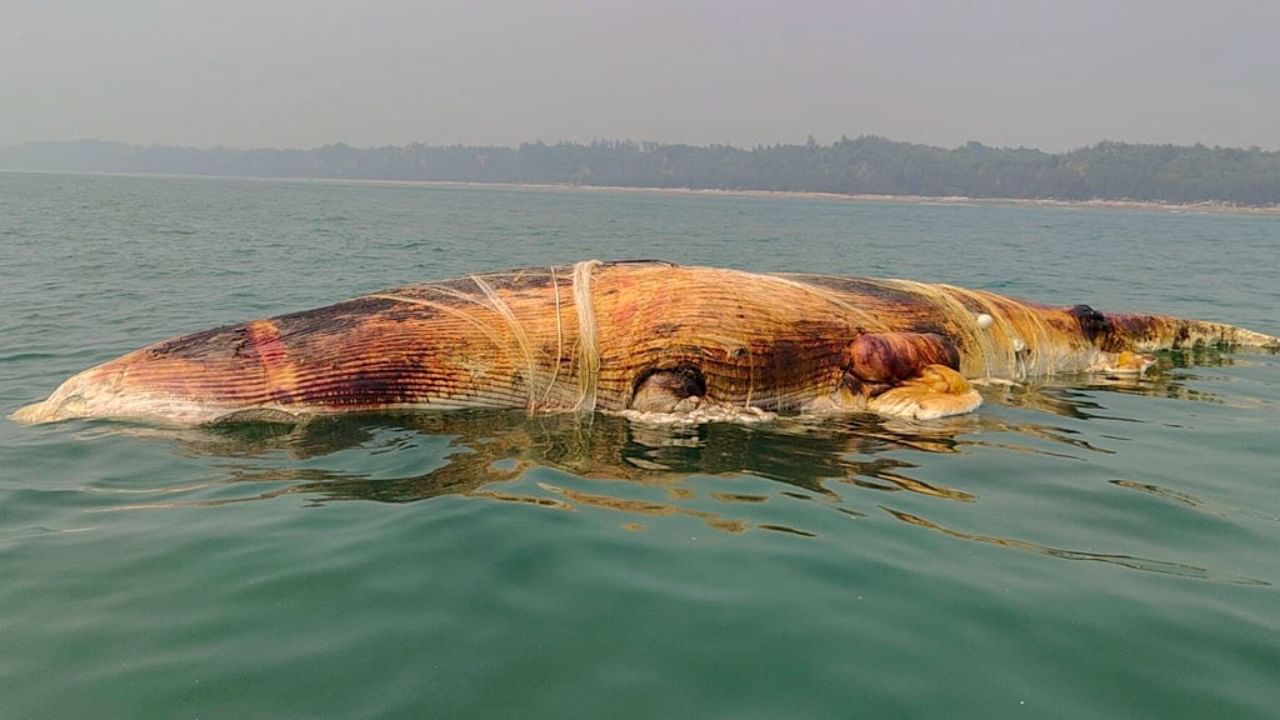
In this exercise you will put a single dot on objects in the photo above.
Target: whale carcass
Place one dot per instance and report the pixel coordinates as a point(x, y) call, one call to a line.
point(634, 336)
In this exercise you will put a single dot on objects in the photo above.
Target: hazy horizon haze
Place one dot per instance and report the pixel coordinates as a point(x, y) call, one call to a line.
point(303, 74)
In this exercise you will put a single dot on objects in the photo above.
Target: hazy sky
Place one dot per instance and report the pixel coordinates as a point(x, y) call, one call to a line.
point(301, 73)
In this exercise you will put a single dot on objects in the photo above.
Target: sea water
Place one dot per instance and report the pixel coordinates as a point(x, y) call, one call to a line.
point(1077, 548)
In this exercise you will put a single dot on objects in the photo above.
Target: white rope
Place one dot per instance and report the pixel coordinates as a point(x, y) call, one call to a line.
point(517, 332)
point(555, 371)
point(588, 344)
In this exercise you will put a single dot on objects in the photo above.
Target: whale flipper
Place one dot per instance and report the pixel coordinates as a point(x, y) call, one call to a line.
point(937, 391)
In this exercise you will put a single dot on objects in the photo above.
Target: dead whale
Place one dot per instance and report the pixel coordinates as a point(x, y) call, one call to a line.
point(627, 337)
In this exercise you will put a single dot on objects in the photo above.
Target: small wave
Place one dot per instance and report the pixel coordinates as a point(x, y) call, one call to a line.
point(38, 531)
point(28, 356)
point(1191, 501)
point(1132, 562)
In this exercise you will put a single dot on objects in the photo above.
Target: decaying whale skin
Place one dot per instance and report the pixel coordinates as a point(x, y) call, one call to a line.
point(644, 336)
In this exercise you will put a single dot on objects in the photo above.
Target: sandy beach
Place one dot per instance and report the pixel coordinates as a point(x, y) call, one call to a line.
point(954, 200)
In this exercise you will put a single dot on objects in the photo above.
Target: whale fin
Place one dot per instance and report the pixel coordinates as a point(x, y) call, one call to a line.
point(936, 391)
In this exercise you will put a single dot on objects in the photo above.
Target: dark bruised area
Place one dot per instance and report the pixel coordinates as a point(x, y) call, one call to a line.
point(198, 344)
point(1093, 324)
point(332, 318)
point(861, 287)
point(374, 388)
point(346, 315)
point(1117, 333)
point(1126, 330)
point(914, 312)
point(891, 357)
point(236, 340)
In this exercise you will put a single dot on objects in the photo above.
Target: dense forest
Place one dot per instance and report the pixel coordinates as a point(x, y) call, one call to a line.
point(863, 165)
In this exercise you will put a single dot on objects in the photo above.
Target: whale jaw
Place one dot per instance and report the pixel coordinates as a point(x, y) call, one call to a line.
point(101, 393)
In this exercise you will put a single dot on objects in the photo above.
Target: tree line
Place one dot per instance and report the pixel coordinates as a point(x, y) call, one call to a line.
point(862, 165)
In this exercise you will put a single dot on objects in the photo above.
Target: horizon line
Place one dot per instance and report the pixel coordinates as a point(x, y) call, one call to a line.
point(608, 141)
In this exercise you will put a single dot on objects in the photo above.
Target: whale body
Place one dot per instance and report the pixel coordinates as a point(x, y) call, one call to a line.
point(631, 336)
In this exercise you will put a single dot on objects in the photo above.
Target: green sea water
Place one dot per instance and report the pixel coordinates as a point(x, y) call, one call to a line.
point(1075, 549)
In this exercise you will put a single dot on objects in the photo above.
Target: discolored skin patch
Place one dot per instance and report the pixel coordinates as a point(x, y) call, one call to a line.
point(892, 357)
point(1093, 324)
point(344, 315)
point(195, 345)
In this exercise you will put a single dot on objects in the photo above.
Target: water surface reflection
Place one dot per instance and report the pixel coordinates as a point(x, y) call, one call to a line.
point(644, 471)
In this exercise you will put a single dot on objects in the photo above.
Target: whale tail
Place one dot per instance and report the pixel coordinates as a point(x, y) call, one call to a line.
point(1117, 332)
point(1156, 332)
point(1231, 335)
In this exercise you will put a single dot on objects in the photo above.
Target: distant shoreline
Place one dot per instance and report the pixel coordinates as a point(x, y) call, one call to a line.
point(948, 200)
point(951, 200)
